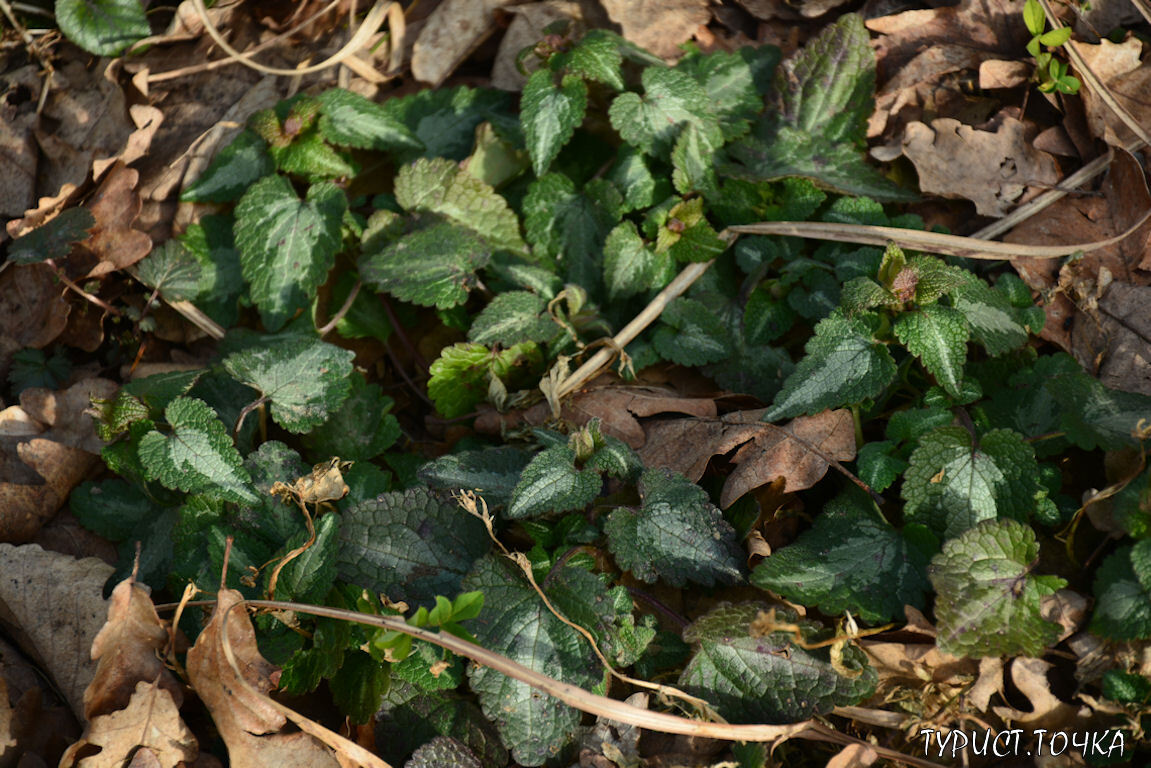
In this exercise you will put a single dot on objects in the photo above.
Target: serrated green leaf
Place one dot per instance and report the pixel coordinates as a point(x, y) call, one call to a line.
point(308, 576)
point(551, 483)
point(693, 161)
point(595, 57)
point(987, 601)
point(582, 597)
point(515, 624)
point(102, 27)
point(1123, 594)
point(232, 171)
point(440, 186)
point(274, 520)
point(1126, 687)
point(616, 459)
point(310, 157)
point(630, 267)
point(1092, 415)
point(677, 535)
point(304, 378)
point(842, 365)
point(671, 99)
point(361, 429)
point(878, 466)
point(114, 508)
point(634, 180)
point(221, 280)
point(862, 293)
point(287, 245)
point(752, 678)
point(511, 318)
point(350, 120)
point(938, 337)
point(550, 114)
point(732, 83)
point(826, 95)
point(491, 472)
point(444, 752)
point(32, 368)
point(912, 423)
point(566, 226)
point(462, 374)
point(172, 270)
point(307, 668)
point(409, 545)
point(765, 318)
point(197, 455)
point(359, 686)
point(695, 240)
point(444, 120)
point(433, 267)
point(159, 389)
point(54, 239)
point(952, 485)
point(692, 334)
point(416, 668)
point(849, 560)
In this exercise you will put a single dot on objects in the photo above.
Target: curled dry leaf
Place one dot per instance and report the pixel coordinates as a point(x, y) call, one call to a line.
point(148, 730)
point(451, 32)
point(799, 452)
point(247, 720)
point(992, 169)
point(53, 606)
point(658, 25)
point(115, 206)
point(1047, 710)
point(127, 650)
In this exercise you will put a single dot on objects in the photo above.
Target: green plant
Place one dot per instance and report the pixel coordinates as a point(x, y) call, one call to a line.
point(517, 241)
point(1051, 72)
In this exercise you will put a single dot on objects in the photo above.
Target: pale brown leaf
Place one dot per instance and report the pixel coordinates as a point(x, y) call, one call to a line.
point(658, 25)
point(854, 756)
point(248, 722)
point(33, 311)
point(127, 651)
point(992, 169)
point(798, 452)
point(1029, 677)
point(1119, 67)
point(150, 723)
point(53, 606)
point(115, 206)
point(451, 32)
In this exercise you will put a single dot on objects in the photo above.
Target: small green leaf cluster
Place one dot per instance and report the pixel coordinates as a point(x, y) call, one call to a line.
point(1051, 72)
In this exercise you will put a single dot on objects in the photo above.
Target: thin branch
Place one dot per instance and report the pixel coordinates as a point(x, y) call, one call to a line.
point(330, 326)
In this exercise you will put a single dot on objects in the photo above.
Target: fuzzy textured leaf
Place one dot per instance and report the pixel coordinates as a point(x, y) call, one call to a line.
point(550, 115)
point(951, 485)
point(350, 120)
point(692, 335)
point(411, 545)
point(515, 624)
point(197, 456)
point(361, 429)
point(491, 472)
point(850, 560)
point(677, 535)
point(287, 245)
point(513, 317)
point(938, 336)
point(434, 266)
point(842, 365)
point(671, 99)
point(102, 27)
point(752, 677)
point(552, 483)
point(987, 601)
point(1123, 594)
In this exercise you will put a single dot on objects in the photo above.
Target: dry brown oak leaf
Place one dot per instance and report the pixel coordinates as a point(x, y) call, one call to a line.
point(249, 724)
point(127, 650)
point(992, 169)
point(658, 25)
point(800, 451)
point(149, 724)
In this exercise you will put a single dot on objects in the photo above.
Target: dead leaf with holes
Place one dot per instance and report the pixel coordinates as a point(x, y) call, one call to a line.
point(250, 725)
point(47, 446)
point(996, 170)
point(1096, 305)
point(53, 606)
point(658, 25)
point(800, 452)
point(149, 731)
point(128, 651)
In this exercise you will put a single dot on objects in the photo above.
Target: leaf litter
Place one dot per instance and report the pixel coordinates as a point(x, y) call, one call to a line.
point(147, 136)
